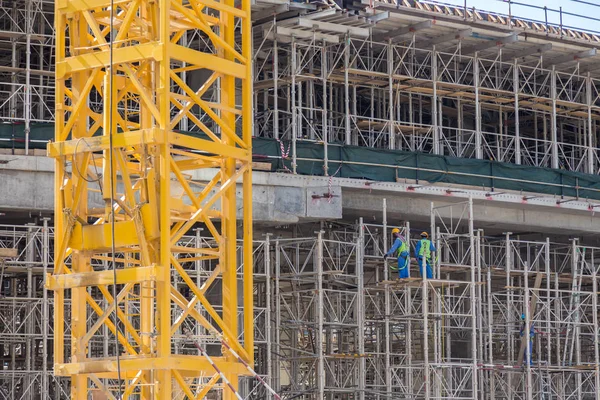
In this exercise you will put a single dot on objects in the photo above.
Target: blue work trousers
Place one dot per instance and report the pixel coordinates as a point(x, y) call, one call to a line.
point(403, 272)
point(428, 267)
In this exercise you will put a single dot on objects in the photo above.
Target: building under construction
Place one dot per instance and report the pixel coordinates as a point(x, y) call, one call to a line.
point(476, 127)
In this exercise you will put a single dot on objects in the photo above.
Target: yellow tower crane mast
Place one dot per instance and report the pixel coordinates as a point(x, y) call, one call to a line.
point(127, 190)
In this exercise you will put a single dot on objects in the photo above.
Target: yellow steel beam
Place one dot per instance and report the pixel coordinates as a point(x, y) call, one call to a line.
point(124, 55)
point(190, 365)
point(96, 278)
point(99, 143)
point(74, 6)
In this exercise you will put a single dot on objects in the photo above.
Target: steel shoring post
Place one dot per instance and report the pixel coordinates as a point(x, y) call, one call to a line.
point(527, 360)
point(324, 114)
point(407, 305)
point(577, 314)
point(516, 87)
point(553, 126)
point(27, 88)
point(478, 141)
point(570, 335)
point(293, 100)
point(558, 312)
point(474, 376)
point(490, 306)
point(387, 307)
point(278, 358)
point(14, 77)
point(45, 307)
point(268, 334)
point(437, 309)
point(275, 85)
point(434, 102)
point(548, 311)
point(480, 311)
point(29, 326)
point(425, 307)
point(595, 322)
point(509, 310)
point(348, 128)
point(590, 127)
point(305, 106)
point(360, 311)
point(320, 316)
point(354, 114)
point(390, 65)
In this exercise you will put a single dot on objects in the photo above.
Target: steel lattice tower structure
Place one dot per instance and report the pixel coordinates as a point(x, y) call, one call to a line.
point(136, 54)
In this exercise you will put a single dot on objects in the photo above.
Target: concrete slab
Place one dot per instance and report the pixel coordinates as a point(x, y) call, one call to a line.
point(278, 198)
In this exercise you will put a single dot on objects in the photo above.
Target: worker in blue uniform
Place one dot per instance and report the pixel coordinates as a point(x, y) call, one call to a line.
point(528, 357)
point(400, 251)
point(423, 251)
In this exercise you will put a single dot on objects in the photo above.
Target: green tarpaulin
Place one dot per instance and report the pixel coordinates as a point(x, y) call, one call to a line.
point(382, 165)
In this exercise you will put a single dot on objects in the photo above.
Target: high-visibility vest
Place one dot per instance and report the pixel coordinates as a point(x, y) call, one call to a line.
point(401, 249)
point(425, 250)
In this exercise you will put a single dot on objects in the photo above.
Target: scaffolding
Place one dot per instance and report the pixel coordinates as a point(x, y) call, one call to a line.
point(331, 320)
point(26, 64)
point(416, 85)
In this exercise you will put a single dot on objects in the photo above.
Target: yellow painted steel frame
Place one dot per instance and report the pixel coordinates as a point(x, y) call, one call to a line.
point(155, 200)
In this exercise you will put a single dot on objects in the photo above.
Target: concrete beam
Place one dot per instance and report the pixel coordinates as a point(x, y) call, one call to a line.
point(380, 16)
point(571, 57)
point(397, 33)
point(458, 35)
point(331, 27)
point(284, 34)
point(320, 14)
point(490, 44)
point(531, 51)
point(269, 13)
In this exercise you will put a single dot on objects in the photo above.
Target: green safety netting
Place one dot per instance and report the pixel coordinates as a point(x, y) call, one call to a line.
point(382, 165)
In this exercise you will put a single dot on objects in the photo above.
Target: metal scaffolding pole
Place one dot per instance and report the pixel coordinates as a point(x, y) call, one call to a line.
point(553, 126)
point(517, 88)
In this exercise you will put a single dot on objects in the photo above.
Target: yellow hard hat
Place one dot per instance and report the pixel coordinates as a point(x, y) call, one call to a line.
point(395, 230)
point(424, 234)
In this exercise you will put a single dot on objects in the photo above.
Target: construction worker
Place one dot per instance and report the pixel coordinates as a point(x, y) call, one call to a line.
point(400, 250)
point(423, 251)
point(528, 358)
